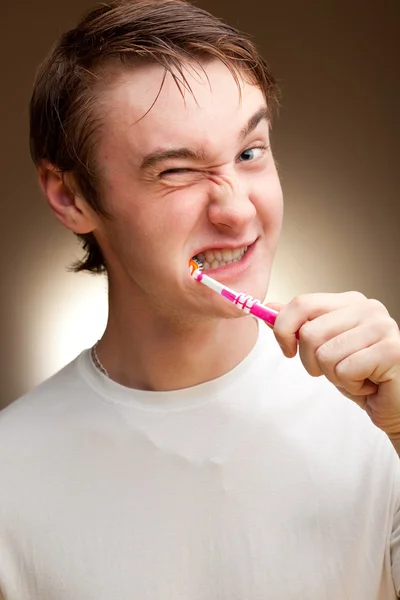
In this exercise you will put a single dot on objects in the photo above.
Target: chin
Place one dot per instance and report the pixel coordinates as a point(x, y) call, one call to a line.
point(256, 287)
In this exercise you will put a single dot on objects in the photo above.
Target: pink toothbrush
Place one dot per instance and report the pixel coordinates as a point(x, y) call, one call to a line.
point(244, 302)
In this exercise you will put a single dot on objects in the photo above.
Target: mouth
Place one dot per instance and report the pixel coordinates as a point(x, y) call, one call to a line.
point(221, 257)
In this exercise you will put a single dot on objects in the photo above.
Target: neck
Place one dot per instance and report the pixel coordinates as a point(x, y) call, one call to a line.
point(152, 352)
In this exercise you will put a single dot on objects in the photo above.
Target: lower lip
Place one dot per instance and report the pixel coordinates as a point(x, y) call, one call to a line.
point(236, 268)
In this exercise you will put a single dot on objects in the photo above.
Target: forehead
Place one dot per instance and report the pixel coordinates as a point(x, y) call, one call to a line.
point(214, 113)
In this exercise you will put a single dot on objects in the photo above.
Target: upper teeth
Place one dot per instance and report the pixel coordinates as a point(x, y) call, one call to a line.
point(212, 259)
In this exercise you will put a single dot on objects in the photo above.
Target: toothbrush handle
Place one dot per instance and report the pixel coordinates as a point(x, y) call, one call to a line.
point(266, 314)
point(242, 301)
point(262, 312)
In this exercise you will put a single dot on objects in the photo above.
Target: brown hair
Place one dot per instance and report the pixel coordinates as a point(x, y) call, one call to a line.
point(172, 33)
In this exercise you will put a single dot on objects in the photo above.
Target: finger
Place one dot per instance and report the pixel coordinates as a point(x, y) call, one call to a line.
point(305, 308)
point(332, 337)
point(358, 373)
point(339, 353)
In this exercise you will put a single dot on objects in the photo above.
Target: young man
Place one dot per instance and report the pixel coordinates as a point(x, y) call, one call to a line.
point(191, 455)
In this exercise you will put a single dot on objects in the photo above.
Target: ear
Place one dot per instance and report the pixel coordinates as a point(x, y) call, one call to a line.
point(69, 208)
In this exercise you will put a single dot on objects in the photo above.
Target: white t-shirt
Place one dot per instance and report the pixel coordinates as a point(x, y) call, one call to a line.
point(264, 484)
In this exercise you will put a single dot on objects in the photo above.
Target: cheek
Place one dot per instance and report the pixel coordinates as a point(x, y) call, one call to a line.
point(159, 225)
point(181, 210)
point(267, 198)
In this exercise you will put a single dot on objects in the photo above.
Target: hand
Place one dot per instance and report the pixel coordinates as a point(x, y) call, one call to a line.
point(354, 342)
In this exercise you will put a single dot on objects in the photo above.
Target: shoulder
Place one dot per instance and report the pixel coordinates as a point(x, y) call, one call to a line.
point(31, 414)
point(39, 431)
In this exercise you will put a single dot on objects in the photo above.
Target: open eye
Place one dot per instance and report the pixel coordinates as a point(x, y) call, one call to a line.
point(253, 153)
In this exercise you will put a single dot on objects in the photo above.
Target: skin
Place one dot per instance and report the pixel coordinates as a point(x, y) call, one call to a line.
point(355, 343)
point(226, 197)
point(159, 317)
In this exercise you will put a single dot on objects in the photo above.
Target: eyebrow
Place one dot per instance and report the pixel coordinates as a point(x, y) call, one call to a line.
point(152, 159)
point(261, 115)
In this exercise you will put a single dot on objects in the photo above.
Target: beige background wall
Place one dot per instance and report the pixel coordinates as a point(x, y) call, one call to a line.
point(337, 142)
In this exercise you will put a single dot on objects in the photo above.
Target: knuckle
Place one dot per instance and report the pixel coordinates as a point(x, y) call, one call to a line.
point(299, 301)
point(323, 353)
point(326, 355)
point(393, 345)
point(377, 306)
point(342, 368)
point(394, 325)
point(355, 296)
point(308, 334)
point(380, 324)
point(389, 325)
point(326, 352)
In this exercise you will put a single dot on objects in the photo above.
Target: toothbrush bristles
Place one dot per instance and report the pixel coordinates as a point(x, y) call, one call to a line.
point(195, 265)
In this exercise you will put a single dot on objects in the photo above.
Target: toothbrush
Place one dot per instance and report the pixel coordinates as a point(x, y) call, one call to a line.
point(243, 302)
point(246, 303)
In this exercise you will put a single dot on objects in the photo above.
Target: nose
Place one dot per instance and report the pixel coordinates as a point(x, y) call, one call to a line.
point(229, 204)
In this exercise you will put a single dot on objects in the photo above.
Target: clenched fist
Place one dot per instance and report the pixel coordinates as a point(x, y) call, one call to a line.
point(354, 342)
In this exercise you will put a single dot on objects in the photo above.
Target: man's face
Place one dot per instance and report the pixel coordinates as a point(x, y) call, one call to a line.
point(195, 176)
